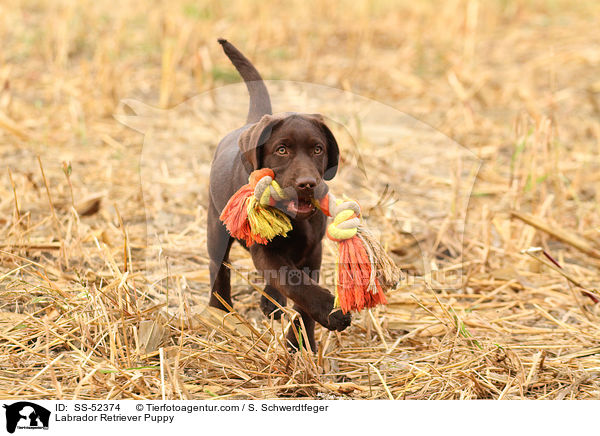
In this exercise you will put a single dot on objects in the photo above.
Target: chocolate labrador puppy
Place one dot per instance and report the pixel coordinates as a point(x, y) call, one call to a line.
point(302, 152)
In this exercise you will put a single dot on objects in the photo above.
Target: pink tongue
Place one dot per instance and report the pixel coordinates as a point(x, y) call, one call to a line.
point(302, 206)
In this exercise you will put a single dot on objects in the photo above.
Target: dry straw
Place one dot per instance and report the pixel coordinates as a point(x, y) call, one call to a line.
point(515, 82)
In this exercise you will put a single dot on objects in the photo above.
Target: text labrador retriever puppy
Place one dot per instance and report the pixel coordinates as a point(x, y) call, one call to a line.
point(303, 153)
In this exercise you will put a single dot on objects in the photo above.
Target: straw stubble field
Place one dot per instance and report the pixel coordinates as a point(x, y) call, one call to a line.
point(103, 267)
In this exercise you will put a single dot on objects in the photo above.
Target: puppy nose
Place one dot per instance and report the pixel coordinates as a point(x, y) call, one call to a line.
point(306, 183)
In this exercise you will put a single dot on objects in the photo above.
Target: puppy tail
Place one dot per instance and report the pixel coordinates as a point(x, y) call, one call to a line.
point(260, 102)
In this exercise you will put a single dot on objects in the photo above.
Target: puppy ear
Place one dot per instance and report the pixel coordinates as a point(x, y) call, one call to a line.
point(333, 151)
point(253, 138)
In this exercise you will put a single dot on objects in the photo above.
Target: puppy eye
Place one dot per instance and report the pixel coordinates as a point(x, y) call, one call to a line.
point(318, 149)
point(282, 150)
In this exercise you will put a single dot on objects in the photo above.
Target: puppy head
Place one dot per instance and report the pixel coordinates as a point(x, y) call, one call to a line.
point(301, 151)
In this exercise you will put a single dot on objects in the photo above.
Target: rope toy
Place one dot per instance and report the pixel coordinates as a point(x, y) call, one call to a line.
point(363, 269)
point(249, 215)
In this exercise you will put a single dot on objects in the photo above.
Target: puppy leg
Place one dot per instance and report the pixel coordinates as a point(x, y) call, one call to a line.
point(219, 242)
point(296, 284)
point(267, 306)
point(312, 267)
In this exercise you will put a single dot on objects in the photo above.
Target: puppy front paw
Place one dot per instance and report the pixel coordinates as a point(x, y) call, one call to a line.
point(338, 320)
point(331, 317)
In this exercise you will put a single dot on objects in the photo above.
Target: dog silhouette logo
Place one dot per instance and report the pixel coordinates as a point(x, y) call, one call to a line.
point(26, 415)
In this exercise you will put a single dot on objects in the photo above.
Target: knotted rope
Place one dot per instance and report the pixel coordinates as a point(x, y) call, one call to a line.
point(249, 214)
point(363, 268)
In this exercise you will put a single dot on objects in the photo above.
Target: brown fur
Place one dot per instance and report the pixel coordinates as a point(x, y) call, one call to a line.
point(303, 153)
